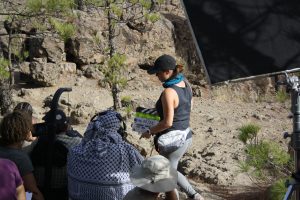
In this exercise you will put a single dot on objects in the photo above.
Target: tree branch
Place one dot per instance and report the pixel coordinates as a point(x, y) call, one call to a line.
point(21, 14)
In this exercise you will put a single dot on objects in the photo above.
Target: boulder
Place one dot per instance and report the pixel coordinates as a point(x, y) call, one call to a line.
point(133, 43)
point(83, 51)
point(24, 71)
point(67, 67)
point(44, 74)
point(48, 47)
point(82, 113)
point(55, 49)
point(92, 71)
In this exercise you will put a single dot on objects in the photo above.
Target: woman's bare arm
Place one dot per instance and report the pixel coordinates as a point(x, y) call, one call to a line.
point(21, 195)
point(30, 185)
point(169, 102)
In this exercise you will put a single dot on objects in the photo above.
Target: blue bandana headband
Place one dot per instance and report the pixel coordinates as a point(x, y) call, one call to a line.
point(177, 79)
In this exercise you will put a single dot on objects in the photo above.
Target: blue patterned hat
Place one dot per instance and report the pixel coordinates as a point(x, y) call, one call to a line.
point(102, 124)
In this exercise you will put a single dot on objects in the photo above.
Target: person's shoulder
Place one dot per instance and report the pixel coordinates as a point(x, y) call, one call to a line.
point(70, 136)
point(6, 163)
point(168, 92)
point(21, 159)
point(73, 133)
point(15, 153)
point(8, 166)
point(22, 156)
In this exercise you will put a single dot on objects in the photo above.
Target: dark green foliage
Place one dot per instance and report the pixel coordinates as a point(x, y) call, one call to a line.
point(137, 15)
point(282, 96)
point(65, 30)
point(267, 161)
point(277, 190)
point(4, 73)
point(49, 6)
point(267, 158)
point(248, 132)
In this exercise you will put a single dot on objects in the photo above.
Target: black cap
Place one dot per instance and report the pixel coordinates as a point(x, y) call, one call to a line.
point(163, 63)
point(25, 107)
point(60, 117)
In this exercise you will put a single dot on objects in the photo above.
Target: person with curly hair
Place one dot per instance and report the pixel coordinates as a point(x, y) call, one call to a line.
point(26, 107)
point(14, 130)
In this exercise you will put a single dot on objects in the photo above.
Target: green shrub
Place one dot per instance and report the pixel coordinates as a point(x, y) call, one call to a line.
point(4, 73)
point(65, 30)
point(277, 190)
point(266, 158)
point(128, 110)
point(153, 17)
point(113, 72)
point(282, 96)
point(126, 98)
point(62, 6)
point(244, 166)
point(126, 101)
point(248, 132)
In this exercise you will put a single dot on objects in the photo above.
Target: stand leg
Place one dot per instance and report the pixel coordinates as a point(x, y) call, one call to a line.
point(289, 192)
point(297, 167)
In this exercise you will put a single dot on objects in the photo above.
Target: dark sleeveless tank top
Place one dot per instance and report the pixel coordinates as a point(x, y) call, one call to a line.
point(181, 120)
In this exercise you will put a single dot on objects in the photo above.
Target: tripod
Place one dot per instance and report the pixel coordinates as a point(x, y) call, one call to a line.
point(294, 184)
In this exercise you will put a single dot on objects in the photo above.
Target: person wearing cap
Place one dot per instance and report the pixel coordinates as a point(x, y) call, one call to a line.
point(99, 167)
point(173, 107)
point(63, 141)
point(155, 175)
point(14, 130)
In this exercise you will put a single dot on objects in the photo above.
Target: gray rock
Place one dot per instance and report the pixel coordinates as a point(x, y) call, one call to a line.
point(67, 67)
point(44, 74)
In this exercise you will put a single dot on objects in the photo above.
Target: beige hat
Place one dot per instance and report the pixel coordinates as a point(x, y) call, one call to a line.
point(155, 175)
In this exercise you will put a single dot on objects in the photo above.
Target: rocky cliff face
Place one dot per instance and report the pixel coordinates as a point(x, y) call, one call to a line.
point(169, 35)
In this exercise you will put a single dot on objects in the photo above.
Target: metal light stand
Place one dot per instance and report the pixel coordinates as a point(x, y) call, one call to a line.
point(51, 139)
point(293, 184)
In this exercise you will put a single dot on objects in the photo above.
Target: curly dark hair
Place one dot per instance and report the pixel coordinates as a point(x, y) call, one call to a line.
point(15, 127)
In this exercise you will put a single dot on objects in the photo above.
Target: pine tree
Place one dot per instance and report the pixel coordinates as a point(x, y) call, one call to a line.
point(136, 14)
point(17, 16)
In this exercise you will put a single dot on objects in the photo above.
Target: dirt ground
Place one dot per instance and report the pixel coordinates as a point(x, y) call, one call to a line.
point(211, 163)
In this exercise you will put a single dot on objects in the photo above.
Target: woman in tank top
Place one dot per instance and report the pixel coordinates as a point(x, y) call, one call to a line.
point(173, 107)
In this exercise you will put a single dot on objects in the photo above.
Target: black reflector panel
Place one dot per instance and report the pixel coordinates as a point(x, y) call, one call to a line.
point(243, 38)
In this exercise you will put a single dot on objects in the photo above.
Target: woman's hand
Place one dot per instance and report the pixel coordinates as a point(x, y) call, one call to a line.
point(146, 134)
point(30, 138)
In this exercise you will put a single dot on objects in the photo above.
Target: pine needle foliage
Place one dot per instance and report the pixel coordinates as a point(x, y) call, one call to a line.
point(64, 30)
point(49, 6)
point(248, 132)
point(47, 12)
point(277, 190)
point(4, 73)
point(138, 15)
point(282, 96)
point(113, 73)
point(265, 160)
